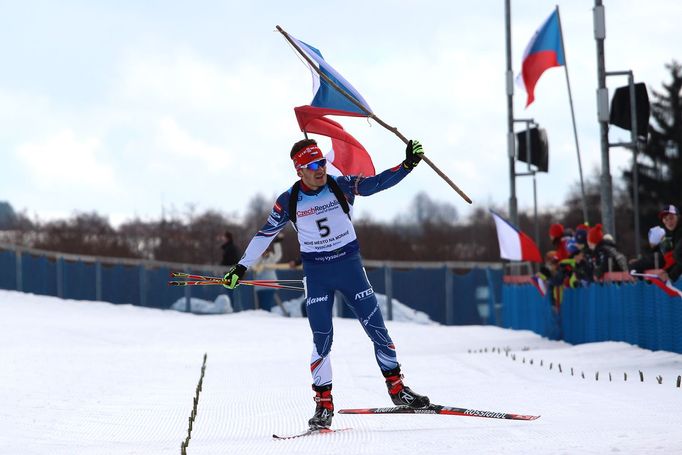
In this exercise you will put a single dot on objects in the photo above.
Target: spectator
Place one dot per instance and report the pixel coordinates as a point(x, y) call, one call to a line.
point(584, 260)
point(267, 297)
point(230, 252)
point(606, 257)
point(649, 260)
point(556, 236)
point(671, 245)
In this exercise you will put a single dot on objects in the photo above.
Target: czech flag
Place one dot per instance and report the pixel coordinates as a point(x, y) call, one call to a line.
point(514, 244)
point(544, 51)
point(327, 97)
point(347, 154)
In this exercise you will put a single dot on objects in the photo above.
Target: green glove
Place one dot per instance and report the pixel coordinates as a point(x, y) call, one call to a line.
point(413, 154)
point(232, 277)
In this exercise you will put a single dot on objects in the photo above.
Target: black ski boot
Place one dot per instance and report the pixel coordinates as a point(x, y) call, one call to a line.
point(324, 411)
point(401, 395)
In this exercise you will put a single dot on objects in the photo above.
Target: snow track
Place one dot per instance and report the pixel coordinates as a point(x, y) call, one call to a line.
point(95, 378)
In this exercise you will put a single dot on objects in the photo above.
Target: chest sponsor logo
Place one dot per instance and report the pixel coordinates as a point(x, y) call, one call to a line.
point(318, 209)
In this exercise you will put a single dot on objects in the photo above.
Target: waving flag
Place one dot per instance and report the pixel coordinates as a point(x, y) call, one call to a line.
point(326, 95)
point(347, 154)
point(665, 286)
point(544, 51)
point(514, 244)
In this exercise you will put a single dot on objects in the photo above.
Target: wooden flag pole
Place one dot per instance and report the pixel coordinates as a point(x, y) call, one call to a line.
point(371, 115)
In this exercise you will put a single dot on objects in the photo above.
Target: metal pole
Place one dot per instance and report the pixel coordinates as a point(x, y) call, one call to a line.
point(513, 210)
point(575, 131)
point(529, 147)
point(535, 212)
point(98, 281)
point(603, 118)
point(19, 268)
point(635, 166)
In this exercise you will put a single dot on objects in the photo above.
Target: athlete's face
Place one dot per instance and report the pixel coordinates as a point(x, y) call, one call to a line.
point(313, 178)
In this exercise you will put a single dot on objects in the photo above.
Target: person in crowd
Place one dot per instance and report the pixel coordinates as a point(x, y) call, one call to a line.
point(556, 236)
point(262, 270)
point(320, 207)
point(585, 263)
point(652, 257)
point(230, 251)
point(671, 244)
point(606, 257)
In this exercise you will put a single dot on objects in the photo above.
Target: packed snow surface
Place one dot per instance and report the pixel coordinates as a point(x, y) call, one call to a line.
point(79, 377)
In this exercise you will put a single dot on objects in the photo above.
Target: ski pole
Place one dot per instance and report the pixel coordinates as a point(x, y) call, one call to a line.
point(221, 282)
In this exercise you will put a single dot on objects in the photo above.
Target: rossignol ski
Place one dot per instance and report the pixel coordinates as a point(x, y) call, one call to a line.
point(438, 409)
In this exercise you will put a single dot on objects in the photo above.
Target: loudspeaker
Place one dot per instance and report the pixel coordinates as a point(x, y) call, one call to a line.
point(620, 108)
point(539, 148)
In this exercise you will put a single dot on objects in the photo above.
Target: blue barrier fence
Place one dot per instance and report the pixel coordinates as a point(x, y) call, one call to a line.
point(638, 313)
point(447, 297)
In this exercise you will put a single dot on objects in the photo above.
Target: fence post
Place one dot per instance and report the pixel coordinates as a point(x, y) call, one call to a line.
point(143, 285)
point(98, 281)
point(60, 277)
point(449, 309)
point(20, 277)
point(388, 282)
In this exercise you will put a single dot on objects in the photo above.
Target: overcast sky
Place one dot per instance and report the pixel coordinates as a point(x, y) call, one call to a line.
point(129, 108)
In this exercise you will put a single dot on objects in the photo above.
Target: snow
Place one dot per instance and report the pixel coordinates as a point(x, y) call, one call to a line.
point(80, 377)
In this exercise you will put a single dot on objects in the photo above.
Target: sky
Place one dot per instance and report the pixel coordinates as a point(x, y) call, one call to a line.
point(83, 377)
point(138, 109)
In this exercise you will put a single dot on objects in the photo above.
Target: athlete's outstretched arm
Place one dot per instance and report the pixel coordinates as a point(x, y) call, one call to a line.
point(261, 241)
point(357, 185)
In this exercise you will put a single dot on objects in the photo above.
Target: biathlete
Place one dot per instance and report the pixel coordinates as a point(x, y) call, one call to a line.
point(320, 208)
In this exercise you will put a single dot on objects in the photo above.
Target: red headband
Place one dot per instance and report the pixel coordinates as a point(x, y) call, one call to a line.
point(307, 155)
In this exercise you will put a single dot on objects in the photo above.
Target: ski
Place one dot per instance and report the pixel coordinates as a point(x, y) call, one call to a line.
point(438, 409)
point(310, 433)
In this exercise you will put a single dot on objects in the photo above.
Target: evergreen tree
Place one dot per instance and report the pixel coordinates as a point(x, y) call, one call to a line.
point(660, 163)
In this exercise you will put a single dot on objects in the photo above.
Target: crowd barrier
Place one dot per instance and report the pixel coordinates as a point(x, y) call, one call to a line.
point(472, 297)
point(638, 313)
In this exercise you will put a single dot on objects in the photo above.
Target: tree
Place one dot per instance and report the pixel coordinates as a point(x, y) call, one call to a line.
point(7, 215)
point(660, 163)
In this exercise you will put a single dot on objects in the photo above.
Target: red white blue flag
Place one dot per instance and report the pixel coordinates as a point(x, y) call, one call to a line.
point(347, 154)
point(326, 96)
point(665, 286)
point(544, 51)
point(514, 244)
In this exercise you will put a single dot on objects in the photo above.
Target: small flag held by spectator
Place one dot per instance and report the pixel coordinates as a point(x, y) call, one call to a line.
point(665, 286)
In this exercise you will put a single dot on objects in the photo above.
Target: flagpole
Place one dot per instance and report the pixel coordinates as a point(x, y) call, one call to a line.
point(575, 131)
point(371, 115)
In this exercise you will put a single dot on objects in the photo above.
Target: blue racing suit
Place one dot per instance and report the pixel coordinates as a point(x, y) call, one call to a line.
point(331, 262)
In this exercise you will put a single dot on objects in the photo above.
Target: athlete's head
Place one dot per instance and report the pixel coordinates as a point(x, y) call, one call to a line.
point(309, 163)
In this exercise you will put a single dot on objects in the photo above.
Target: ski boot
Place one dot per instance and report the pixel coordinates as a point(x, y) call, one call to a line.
point(401, 395)
point(324, 410)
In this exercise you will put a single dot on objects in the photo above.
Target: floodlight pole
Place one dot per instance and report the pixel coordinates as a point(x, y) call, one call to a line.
point(511, 152)
point(607, 217)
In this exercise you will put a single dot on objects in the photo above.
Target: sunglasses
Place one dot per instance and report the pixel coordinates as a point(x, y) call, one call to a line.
point(315, 165)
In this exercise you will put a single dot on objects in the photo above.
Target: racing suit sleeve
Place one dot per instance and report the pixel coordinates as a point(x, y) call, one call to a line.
point(277, 220)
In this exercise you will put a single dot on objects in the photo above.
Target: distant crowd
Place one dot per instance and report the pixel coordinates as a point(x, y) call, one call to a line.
point(586, 254)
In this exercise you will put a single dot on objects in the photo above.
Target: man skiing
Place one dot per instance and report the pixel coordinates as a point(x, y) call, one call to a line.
point(320, 208)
